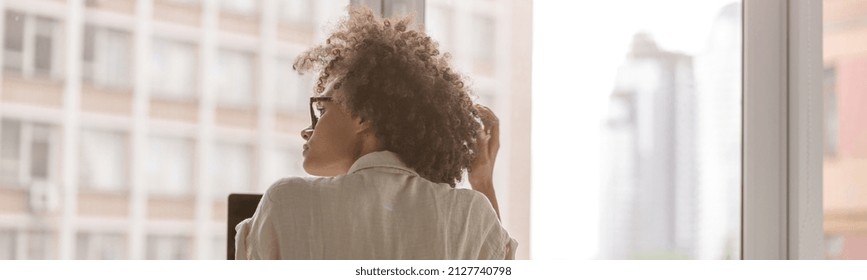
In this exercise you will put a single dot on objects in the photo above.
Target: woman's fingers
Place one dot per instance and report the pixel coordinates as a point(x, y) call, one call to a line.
point(491, 129)
point(489, 119)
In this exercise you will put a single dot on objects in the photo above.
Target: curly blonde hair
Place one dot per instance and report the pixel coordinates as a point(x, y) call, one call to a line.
point(397, 79)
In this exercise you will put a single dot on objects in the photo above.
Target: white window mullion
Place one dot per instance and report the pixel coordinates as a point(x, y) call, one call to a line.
point(205, 133)
point(26, 149)
point(267, 91)
point(28, 49)
point(141, 102)
point(805, 226)
point(71, 113)
point(782, 116)
point(764, 205)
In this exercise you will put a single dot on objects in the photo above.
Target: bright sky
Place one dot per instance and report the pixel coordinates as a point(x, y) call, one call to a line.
point(577, 47)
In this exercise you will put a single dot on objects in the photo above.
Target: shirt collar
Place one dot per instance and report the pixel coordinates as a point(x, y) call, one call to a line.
point(385, 159)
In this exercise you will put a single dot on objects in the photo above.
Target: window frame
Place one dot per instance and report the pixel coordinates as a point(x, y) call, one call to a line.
point(99, 65)
point(25, 178)
point(781, 205)
point(169, 46)
point(30, 33)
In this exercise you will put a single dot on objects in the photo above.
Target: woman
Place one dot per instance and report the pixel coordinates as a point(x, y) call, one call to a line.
point(393, 129)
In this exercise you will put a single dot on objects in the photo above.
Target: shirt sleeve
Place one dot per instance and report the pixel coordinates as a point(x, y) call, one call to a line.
point(257, 237)
point(495, 240)
point(243, 232)
point(510, 250)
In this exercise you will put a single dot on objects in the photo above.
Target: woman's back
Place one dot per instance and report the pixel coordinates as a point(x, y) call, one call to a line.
point(380, 209)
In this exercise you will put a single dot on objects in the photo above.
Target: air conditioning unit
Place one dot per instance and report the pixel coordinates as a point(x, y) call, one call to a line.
point(44, 197)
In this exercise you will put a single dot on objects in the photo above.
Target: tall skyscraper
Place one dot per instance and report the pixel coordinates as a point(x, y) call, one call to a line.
point(649, 187)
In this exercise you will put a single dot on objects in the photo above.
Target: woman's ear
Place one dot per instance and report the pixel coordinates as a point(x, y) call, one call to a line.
point(362, 125)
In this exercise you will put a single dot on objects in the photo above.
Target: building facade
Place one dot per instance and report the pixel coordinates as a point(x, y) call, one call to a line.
point(845, 129)
point(649, 194)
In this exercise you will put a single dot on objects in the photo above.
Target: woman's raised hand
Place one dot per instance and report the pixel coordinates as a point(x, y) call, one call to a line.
point(481, 171)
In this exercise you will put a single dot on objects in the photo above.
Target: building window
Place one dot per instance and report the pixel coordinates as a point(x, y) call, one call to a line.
point(241, 7)
point(106, 57)
point(482, 47)
point(104, 160)
point(100, 246)
point(440, 26)
point(296, 12)
point(187, 2)
point(41, 245)
point(488, 98)
point(292, 90)
point(10, 152)
point(235, 78)
point(27, 152)
point(32, 45)
point(175, 75)
point(44, 46)
point(40, 152)
point(13, 46)
point(7, 244)
point(160, 247)
point(284, 162)
point(234, 169)
point(170, 166)
point(219, 246)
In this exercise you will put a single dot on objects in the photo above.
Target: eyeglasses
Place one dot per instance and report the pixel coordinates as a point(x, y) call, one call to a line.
point(316, 112)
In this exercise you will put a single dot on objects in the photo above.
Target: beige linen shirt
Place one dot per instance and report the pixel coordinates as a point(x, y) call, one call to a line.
point(381, 209)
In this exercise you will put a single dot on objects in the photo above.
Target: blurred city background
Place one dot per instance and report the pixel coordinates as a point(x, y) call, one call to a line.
point(126, 123)
point(647, 106)
point(671, 187)
point(845, 129)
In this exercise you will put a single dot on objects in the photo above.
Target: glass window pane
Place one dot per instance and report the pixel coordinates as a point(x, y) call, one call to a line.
point(14, 33)
point(107, 57)
point(41, 245)
point(7, 244)
point(100, 246)
point(285, 162)
point(43, 54)
point(187, 2)
point(845, 132)
point(482, 43)
point(440, 26)
point(235, 78)
point(170, 166)
point(160, 247)
point(645, 104)
point(10, 150)
point(245, 7)
point(296, 12)
point(44, 46)
point(103, 160)
point(232, 171)
point(40, 153)
point(177, 64)
point(89, 42)
point(292, 90)
point(87, 52)
point(13, 40)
